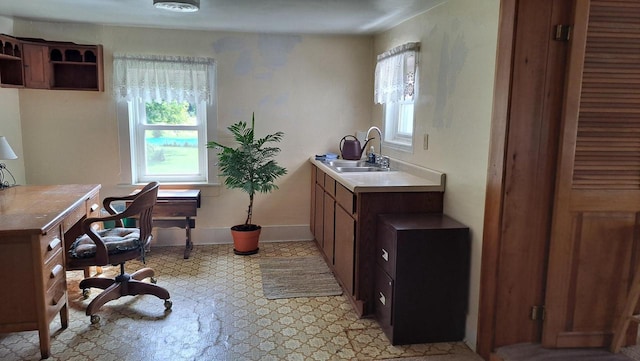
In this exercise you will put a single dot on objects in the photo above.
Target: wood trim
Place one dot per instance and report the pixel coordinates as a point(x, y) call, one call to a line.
point(491, 238)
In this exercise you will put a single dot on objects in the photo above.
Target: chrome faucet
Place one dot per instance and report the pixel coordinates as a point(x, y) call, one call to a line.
point(381, 160)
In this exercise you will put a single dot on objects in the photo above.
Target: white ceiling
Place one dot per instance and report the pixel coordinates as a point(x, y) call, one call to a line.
point(271, 16)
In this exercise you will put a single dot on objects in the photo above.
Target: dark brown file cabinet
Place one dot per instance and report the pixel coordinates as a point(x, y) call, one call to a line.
point(422, 277)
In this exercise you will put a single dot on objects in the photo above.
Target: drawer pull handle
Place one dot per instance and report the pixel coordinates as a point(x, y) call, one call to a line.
point(94, 207)
point(53, 244)
point(385, 255)
point(56, 271)
point(382, 299)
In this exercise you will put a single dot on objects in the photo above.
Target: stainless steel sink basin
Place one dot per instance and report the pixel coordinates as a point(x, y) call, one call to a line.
point(342, 166)
point(359, 169)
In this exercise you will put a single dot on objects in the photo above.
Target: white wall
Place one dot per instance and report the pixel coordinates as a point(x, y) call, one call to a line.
point(10, 119)
point(314, 88)
point(457, 60)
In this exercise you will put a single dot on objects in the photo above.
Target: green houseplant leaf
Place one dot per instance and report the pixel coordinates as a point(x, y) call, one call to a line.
point(250, 166)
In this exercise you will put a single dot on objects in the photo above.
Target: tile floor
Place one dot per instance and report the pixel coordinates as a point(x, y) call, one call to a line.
point(219, 313)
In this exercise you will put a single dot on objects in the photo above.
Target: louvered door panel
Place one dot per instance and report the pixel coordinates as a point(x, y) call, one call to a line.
point(594, 237)
point(608, 141)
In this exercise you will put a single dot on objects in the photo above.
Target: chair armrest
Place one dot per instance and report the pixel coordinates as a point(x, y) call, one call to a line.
point(102, 256)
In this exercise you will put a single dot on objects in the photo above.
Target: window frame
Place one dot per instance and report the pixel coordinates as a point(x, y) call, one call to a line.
point(393, 138)
point(127, 139)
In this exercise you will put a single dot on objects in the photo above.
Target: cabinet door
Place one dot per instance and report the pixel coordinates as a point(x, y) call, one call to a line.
point(328, 234)
point(344, 247)
point(36, 73)
point(319, 215)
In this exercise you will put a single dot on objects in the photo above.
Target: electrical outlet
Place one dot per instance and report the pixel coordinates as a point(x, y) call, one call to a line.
point(425, 142)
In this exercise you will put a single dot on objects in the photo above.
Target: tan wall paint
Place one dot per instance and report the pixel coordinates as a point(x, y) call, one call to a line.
point(314, 88)
point(457, 60)
point(10, 119)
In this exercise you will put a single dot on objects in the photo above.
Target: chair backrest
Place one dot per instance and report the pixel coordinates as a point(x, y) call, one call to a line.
point(141, 207)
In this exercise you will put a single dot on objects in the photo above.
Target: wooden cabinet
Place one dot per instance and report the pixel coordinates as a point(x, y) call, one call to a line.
point(42, 64)
point(10, 62)
point(344, 227)
point(421, 278)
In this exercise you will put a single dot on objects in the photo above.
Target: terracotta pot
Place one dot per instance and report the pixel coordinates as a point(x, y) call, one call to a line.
point(245, 239)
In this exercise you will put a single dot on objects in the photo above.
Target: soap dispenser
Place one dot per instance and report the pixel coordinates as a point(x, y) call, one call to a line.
point(371, 156)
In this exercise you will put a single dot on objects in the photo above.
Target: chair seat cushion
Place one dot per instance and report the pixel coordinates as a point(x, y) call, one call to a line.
point(117, 240)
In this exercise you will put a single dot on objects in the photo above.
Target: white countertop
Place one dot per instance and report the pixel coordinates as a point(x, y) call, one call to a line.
point(403, 177)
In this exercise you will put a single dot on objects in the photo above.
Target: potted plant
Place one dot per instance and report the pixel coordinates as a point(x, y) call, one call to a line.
point(250, 167)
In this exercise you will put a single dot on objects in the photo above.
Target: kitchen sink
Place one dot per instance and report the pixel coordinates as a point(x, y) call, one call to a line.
point(343, 166)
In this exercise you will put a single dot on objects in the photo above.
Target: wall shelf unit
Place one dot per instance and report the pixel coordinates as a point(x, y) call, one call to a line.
point(43, 64)
point(10, 62)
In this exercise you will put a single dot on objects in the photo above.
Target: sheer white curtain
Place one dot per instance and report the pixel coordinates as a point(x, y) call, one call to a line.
point(168, 78)
point(396, 74)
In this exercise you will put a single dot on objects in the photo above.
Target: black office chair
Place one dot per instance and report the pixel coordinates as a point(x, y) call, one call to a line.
point(115, 246)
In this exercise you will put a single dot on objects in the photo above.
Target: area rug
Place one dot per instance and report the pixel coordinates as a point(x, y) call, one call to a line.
point(293, 277)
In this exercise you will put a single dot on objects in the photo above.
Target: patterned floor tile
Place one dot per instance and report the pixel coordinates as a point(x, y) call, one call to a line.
point(219, 313)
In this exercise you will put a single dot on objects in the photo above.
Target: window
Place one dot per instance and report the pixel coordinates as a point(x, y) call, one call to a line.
point(169, 141)
point(396, 88)
point(166, 114)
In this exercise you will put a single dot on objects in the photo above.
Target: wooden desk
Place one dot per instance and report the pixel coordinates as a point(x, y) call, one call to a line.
point(175, 208)
point(33, 222)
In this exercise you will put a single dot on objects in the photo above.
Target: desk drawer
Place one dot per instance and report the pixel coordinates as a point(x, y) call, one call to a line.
point(93, 206)
point(55, 298)
point(53, 270)
point(50, 243)
point(174, 208)
point(74, 217)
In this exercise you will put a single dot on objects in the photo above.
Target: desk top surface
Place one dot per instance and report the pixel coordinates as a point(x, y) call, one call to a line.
point(35, 209)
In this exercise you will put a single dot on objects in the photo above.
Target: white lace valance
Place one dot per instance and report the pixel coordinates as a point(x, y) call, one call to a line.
point(396, 74)
point(168, 78)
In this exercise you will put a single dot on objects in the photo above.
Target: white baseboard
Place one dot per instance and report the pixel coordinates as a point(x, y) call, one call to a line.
point(177, 236)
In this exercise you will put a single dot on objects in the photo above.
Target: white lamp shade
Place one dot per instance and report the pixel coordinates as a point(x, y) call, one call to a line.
point(5, 150)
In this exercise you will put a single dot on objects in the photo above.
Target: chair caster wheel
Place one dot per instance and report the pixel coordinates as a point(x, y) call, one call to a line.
point(154, 280)
point(95, 319)
point(167, 304)
point(85, 293)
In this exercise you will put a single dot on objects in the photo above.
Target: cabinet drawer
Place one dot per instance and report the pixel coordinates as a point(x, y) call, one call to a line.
point(53, 270)
point(320, 177)
point(383, 297)
point(50, 243)
point(386, 250)
point(345, 198)
point(330, 185)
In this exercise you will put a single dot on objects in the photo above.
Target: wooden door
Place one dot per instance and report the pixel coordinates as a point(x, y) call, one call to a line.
point(36, 61)
point(594, 235)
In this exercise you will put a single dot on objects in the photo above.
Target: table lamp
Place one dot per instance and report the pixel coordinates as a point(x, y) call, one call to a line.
point(6, 153)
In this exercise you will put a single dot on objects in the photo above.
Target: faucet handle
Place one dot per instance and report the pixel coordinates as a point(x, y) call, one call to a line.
point(384, 161)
